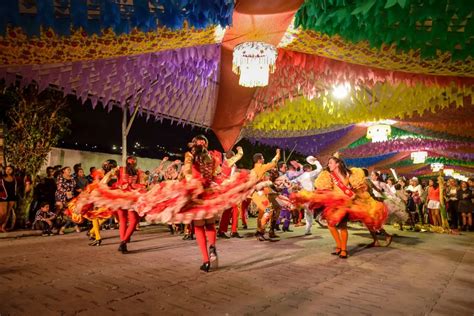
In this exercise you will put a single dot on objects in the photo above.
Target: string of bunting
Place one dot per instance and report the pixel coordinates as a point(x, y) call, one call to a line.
point(388, 58)
point(367, 161)
point(410, 144)
point(248, 132)
point(185, 81)
point(16, 48)
point(306, 145)
point(383, 101)
point(430, 160)
point(406, 24)
point(447, 134)
point(121, 16)
point(464, 129)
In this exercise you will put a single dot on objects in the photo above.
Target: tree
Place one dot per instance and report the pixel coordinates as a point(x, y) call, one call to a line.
point(35, 122)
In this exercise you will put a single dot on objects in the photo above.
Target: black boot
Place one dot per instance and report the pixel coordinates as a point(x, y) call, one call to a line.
point(123, 247)
point(206, 266)
point(96, 243)
point(235, 235)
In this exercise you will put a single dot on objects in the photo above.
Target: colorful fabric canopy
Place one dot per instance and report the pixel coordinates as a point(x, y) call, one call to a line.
point(402, 61)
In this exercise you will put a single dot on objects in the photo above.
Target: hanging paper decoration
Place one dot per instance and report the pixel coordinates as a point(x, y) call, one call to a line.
point(378, 132)
point(388, 58)
point(430, 160)
point(367, 161)
point(336, 72)
point(253, 61)
point(409, 144)
point(120, 16)
point(464, 128)
point(408, 25)
point(252, 133)
point(301, 74)
point(448, 134)
point(383, 101)
point(395, 133)
point(306, 145)
point(50, 48)
point(174, 83)
point(419, 156)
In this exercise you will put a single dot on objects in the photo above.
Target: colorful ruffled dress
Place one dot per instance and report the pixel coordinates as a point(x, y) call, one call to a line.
point(350, 200)
point(201, 194)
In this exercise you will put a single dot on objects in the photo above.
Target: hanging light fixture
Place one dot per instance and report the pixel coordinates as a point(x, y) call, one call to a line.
point(448, 172)
point(253, 61)
point(341, 91)
point(437, 166)
point(419, 156)
point(378, 132)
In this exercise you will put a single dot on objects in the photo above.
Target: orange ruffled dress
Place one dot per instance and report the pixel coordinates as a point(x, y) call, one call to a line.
point(339, 205)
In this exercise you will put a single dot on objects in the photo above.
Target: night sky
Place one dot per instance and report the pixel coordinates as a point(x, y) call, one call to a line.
point(99, 130)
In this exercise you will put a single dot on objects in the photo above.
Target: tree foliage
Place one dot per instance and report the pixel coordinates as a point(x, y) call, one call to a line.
point(35, 122)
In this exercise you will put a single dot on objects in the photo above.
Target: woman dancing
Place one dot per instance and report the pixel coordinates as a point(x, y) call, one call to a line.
point(344, 194)
point(130, 179)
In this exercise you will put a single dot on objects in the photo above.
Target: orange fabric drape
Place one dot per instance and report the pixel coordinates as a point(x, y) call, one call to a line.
point(265, 21)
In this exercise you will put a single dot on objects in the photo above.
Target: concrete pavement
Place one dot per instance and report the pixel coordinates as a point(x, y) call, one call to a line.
point(419, 274)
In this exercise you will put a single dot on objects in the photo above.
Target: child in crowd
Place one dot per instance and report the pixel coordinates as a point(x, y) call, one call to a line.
point(45, 219)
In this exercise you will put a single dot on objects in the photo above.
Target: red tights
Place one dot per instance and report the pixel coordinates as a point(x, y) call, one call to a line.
point(201, 232)
point(127, 217)
point(225, 219)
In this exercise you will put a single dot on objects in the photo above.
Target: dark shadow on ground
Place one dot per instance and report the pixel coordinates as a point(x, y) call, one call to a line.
point(405, 240)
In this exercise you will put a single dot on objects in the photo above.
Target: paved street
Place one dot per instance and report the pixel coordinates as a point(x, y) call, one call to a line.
point(420, 274)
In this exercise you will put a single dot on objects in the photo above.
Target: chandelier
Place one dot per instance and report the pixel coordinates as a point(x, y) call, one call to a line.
point(253, 61)
point(419, 156)
point(379, 132)
point(437, 166)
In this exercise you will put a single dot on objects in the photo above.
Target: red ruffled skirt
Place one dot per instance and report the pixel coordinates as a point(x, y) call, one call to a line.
point(175, 201)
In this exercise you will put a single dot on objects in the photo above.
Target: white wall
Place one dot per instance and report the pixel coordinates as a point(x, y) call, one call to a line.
point(69, 157)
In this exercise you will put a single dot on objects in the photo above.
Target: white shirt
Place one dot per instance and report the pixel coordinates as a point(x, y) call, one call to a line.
point(418, 189)
point(306, 180)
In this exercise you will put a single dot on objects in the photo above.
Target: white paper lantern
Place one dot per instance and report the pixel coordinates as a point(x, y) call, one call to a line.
point(437, 166)
point(448, 172)
point(253, 61)
point(379, 132)
point(419, 156)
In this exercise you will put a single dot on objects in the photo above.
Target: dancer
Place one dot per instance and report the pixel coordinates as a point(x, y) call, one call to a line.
point(228, 168)
point(336, 177)
point(344, 194)
point(130, 179)
point(198, 197)
point(260, 197)
point(108, 177)
point(96, 215)
point(306, 180)
point(201, 163)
